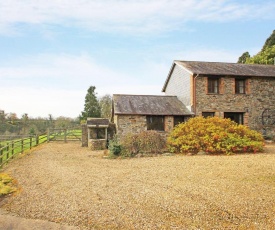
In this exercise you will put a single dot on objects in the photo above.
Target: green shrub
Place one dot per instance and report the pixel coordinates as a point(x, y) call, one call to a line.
point(214, 135)
point(144, 142)
point(115, 147)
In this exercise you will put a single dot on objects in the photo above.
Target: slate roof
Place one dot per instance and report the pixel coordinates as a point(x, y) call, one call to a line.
point(229, 69)
point(148, 105)
point(223, 69)
point(97, 122)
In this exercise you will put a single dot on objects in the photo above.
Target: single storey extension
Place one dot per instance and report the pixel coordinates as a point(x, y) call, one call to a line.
point(137, 113)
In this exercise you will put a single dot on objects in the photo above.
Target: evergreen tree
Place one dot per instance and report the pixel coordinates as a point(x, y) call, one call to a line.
point(270, 41)
point(266, 56)
point(244, 57)
point(91, 106)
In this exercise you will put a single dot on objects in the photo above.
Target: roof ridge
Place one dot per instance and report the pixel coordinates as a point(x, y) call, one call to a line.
point(144, 95)
point(231, 63)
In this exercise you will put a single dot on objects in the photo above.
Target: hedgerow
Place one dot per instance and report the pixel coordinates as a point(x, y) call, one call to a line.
point(214, 135)
point(143, 142)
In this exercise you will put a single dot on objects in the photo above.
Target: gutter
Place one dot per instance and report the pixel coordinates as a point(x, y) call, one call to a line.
point(194, 94)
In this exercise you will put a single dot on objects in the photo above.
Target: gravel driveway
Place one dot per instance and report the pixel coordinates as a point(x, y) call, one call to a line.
point(65, 183)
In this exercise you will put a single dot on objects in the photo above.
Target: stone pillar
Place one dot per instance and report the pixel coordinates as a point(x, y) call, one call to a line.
point(84, 138)
point(246, 117)
point(168, 123)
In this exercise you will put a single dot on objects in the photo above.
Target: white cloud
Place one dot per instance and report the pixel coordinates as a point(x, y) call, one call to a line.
point(62, 70)
point(60, 102)
point(128, 15)
point(41, 102)
point(57, 84)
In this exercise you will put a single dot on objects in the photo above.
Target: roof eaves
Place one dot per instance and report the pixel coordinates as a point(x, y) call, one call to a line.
point(168, 77)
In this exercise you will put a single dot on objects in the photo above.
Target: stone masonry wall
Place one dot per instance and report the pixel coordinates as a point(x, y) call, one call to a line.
point(168, 123)
point(130, 124)
point(97, 144)
point(260, 94)
point(137, 123)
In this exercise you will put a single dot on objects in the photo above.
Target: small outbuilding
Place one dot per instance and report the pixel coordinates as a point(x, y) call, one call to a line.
point(137, 113)
point(96, 133)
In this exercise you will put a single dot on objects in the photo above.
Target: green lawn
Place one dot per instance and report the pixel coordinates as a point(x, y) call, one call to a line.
point(9, 149)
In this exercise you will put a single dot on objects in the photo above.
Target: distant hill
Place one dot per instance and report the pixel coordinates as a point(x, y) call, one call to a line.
point(265, 56)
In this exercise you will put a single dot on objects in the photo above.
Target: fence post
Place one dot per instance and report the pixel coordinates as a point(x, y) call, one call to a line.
point(48, 135)
point(1, 155)
point(12, 149)
point(37, 139)
point(30, 142)
point(8, 150)
point(65, 135)
point(22, 145)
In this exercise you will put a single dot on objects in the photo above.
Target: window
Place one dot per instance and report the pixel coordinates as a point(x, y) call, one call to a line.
point(208, 114)
point(155, 123)
point(213, 85)
point(178, 119)
point(239, 86)
point(237, 117)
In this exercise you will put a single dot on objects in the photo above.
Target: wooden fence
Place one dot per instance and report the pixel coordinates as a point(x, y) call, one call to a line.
point(8, 149)
point(64, 135)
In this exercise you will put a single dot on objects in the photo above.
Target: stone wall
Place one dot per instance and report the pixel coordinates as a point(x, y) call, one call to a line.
point(97, 144)
point(129, 124)
point(137, 123)
point(260, 94)
point(168, 123)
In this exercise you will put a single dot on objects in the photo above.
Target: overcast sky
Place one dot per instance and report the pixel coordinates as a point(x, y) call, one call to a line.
point(52, 51)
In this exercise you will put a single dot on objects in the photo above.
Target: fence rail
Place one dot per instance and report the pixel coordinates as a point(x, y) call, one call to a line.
point(9, 149)
point(64, 135)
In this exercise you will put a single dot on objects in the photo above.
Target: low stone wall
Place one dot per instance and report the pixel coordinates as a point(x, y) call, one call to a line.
point(97, 144)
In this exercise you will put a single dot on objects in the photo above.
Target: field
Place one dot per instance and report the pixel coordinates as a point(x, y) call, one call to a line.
point(65, 183)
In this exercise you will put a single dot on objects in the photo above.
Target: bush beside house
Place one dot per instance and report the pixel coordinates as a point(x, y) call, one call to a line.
point(146, 142)
point(214, 135)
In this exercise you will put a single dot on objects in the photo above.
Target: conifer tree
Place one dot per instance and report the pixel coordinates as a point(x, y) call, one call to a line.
point(91, 106)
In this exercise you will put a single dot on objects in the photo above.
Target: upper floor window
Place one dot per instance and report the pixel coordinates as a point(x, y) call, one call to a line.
point(213, 85)
point(239, 86)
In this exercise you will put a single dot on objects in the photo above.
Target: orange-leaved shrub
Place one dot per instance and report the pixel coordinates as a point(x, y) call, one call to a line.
point(143, 142)
point(214, 135)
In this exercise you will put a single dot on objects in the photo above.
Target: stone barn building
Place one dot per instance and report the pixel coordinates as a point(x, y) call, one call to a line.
point(242, 92)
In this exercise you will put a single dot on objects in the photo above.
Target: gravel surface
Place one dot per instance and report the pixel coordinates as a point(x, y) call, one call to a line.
point(65, 183)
